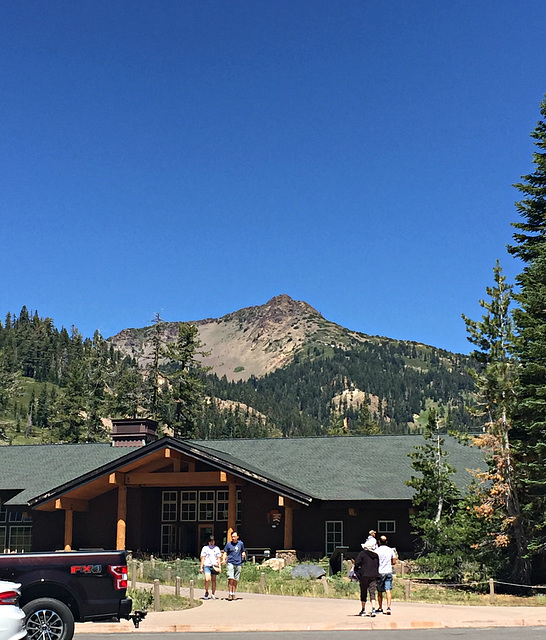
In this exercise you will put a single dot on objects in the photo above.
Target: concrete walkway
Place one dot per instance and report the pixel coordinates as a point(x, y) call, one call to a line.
point(257, 612)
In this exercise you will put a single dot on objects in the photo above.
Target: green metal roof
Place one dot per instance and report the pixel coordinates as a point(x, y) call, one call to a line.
point(343, 467)
point(39, 468)
point(322, 468)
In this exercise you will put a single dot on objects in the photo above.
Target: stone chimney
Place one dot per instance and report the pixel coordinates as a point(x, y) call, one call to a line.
point(133, 432)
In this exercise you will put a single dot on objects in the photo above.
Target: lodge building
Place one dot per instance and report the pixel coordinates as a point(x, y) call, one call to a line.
point(166, 496)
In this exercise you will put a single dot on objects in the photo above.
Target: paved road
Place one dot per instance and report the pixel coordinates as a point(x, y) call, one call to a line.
point(258, 613)
point(526, 633)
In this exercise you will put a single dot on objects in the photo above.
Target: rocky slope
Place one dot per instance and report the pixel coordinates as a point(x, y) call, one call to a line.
point(252, 341)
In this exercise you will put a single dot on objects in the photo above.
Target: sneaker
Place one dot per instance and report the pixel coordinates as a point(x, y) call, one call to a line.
point(212, 596)
point(362, 613)
point(206, 596)
point(379, 610)
point(388, 612)
point(372, 614)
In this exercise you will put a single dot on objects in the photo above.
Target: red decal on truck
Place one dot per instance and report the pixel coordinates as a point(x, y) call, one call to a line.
point(86, 568)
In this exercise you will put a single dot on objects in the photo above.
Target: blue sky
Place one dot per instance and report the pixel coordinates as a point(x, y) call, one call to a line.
point(195, 157)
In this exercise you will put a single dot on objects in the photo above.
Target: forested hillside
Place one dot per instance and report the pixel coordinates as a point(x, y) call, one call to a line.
point(59, 386)
point(400, 381)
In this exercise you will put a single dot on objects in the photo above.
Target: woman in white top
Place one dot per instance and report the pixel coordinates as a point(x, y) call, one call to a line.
point(210, 557)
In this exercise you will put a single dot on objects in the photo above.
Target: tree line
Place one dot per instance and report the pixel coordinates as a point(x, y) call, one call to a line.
point(498, 527)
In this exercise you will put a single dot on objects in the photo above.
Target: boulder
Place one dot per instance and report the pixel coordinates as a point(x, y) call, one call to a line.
point(275, 563)
point(308, 571)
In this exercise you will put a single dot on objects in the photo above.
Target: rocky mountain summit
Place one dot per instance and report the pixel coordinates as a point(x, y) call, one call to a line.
point(252, 341)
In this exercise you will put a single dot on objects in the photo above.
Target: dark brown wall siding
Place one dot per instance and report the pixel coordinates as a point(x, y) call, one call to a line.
point(310, 525)
point(96, 528)
point(47, 530)
point(255, 529)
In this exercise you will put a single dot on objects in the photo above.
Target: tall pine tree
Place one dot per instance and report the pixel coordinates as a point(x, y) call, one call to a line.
point(529, 430)
point(497, 489)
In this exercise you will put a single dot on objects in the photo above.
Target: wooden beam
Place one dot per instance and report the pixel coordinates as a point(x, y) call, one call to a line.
point(121, 517)
point(154, 465)
point(68, 529)
point(173, 479)
point(116, 478)
point(71, 504)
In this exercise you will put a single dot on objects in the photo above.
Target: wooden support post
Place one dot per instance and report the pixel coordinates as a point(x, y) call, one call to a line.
point(133, 573)
point(262, 582)
point(232, 509)
point(407, 590)
point(192, 594)
point(68, 529)
point(288, 525)
point(122, 517)
point(157, 602)
point(325, 585)
point(177, 586)
point(491, 591)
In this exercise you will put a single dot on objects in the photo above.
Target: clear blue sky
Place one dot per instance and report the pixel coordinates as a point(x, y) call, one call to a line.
point(195, 157)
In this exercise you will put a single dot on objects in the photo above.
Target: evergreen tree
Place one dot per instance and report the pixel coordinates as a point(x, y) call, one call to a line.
point(154, 377)
point(335, 428)
point(529, 429)
point(77, 412)
point(127, 397)
point(366, 425)
point(436, 495)
point(183, 394)
point(497, 493)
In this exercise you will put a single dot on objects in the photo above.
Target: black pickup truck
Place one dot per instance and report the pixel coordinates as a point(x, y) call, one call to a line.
point(63, 587)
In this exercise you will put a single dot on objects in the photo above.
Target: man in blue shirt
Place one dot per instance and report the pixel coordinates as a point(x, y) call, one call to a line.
point(234, 553)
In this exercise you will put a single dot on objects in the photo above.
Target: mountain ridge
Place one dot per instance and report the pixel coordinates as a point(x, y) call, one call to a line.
point(252, 341)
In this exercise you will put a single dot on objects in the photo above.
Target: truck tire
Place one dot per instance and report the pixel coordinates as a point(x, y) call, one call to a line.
point(48, 619)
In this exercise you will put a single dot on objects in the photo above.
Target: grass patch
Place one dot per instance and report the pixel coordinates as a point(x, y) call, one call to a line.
point(338, 586)
point(143, 599)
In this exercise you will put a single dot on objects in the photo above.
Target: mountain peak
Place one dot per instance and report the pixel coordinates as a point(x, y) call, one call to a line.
point(252, 341)
point(287, 304)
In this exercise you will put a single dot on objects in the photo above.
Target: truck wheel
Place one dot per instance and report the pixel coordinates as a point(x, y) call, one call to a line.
point(48, 619)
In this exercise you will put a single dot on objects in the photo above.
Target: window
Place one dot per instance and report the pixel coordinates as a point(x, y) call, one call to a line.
point(20, 516)
point(20, 538)
point(168, 539)
point(2, 512)
point(386, 526)
point(188, 506)
point(169, 506)
point(334, 535)
point(206, 505)
point(222, 500)
point(3, 539)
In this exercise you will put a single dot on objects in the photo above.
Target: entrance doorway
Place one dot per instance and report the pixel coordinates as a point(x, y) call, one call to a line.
point(205, 532)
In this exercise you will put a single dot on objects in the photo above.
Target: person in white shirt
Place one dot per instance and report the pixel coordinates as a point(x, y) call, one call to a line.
point(210, 557)
point(387, 558)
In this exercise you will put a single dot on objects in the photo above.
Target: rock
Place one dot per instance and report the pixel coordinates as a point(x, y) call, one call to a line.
point(275, 563)
point(308, 571)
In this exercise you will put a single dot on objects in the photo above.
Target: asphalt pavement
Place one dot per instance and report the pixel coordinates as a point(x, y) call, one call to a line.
point(258, 612)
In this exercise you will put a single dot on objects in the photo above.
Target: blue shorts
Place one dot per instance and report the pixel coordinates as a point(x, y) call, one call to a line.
point(385, 582)
point(207, 569)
